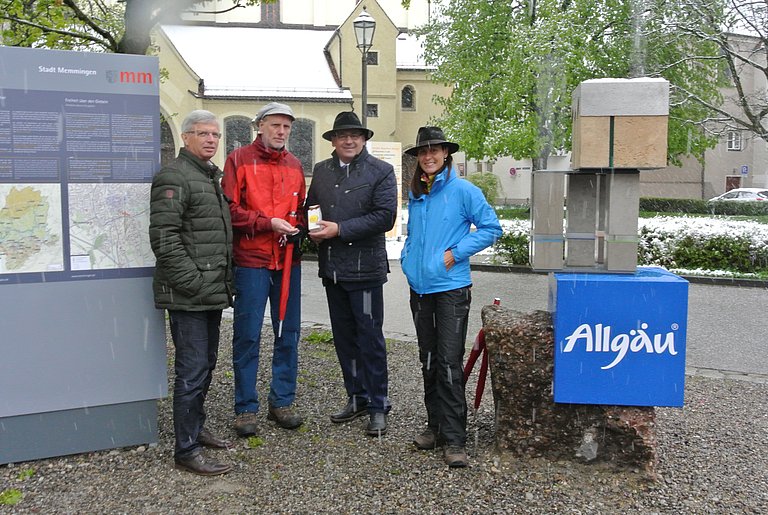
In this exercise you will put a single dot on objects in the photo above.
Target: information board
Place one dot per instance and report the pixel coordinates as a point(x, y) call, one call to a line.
point(79, 143)
point(84, 352)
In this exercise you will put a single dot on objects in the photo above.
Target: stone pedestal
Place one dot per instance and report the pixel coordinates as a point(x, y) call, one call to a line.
point(547, 245)
point(528, 421)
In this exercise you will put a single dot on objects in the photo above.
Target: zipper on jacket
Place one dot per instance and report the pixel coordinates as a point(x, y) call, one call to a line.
point(357, 188)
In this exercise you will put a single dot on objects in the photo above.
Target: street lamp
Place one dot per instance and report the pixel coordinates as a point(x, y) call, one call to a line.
point(364, 25)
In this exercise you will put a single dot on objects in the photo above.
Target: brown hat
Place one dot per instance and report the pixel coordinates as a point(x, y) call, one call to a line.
point(430, 137)
point(347, 120)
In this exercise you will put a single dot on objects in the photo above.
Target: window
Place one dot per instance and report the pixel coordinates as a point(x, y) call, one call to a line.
point(237, 132)
point(372, 58)
point(300, 143)
point(734, 140)
point(167, 147)
point(407, 96)
point(372, 110)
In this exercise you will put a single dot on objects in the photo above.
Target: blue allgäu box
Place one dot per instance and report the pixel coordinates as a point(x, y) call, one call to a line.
point(619, 338)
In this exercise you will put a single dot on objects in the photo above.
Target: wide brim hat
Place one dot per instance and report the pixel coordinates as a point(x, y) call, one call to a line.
point(347, 120)
point(431, 137)
point(273, 108)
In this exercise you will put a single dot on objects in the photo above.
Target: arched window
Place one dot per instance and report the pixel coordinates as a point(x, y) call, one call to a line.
point(408, 98)
point(238, 132)
point(301, 143)
point(167, 147)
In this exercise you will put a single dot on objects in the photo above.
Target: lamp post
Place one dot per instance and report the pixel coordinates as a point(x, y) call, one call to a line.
point(364, 25)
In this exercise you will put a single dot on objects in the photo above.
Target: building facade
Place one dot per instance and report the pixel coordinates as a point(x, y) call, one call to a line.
point(307, 57)
point(304, 53)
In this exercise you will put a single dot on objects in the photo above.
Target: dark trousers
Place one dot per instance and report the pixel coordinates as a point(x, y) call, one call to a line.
point(441, 328)
point(357, 317)
point(196, 339)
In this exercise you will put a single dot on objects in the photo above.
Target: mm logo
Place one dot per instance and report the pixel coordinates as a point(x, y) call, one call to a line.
point(123, 77)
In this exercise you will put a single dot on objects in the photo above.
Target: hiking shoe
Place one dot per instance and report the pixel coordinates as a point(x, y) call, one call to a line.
point(284, 417)
point(427, 440)
point(246, 424)
point(456, 456)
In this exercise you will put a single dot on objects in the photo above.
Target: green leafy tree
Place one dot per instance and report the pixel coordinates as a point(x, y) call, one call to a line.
point(513, 67)
point(488, 184)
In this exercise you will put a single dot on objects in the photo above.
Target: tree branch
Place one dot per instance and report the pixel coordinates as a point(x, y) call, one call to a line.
point(80, 15)
point(51, 30)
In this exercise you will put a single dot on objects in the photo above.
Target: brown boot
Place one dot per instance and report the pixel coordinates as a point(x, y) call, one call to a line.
point(427, 440)
point(246, 424)
point(456, 456)
point(284, 417)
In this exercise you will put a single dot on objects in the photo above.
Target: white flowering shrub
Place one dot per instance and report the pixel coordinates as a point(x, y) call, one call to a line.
point(701, 245)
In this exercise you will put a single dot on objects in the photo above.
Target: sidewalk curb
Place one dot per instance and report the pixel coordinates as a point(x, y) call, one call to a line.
point(717, 281)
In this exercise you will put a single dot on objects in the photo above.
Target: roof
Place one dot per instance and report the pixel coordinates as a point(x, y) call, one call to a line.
point(410, 53)
point(235, 61)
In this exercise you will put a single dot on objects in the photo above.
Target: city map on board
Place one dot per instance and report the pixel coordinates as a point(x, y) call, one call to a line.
point(30, 228)
point(108, 226)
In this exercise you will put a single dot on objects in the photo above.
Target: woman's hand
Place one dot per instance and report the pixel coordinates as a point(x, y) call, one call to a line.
point(448, 259)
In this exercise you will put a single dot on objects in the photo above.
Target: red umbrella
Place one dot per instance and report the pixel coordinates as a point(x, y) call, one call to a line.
point(477, 349)
point(287, 262)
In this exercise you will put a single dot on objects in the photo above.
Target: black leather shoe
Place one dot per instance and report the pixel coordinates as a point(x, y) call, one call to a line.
point(354, 408)
point(202, 466)
point(378, 425)
point(207, 439)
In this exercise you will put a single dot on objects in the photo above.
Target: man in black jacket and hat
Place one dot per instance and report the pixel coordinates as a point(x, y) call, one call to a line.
point(357, 195)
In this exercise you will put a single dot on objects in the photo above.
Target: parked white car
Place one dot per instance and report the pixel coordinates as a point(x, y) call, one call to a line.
point(741, 194)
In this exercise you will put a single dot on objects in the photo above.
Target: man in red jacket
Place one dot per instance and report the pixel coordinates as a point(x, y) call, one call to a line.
point(261, 181)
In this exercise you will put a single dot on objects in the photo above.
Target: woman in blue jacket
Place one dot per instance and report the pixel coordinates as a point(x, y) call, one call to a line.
point(435, 259)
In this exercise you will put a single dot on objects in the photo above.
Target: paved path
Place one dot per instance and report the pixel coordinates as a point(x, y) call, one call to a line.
point(726, 324)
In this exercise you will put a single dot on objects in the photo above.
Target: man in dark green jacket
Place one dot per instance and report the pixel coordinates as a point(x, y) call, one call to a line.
point(191, 236)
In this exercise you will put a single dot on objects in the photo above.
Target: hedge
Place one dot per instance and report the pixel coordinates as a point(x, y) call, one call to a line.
point(676, 243)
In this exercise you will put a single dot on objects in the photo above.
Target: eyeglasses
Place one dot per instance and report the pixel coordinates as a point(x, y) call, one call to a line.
point(349, 135)
point(205, 134)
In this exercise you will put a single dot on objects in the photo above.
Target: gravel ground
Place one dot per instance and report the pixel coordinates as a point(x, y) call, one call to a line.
point(712, 459)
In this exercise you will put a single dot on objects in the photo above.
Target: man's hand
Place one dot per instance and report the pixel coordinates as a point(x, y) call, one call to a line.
point(327, 231)
point(280, 226)
point(298, 236)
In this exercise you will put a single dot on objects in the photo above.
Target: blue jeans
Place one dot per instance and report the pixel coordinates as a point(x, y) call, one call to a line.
point(253, 286)
point(196, 339)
